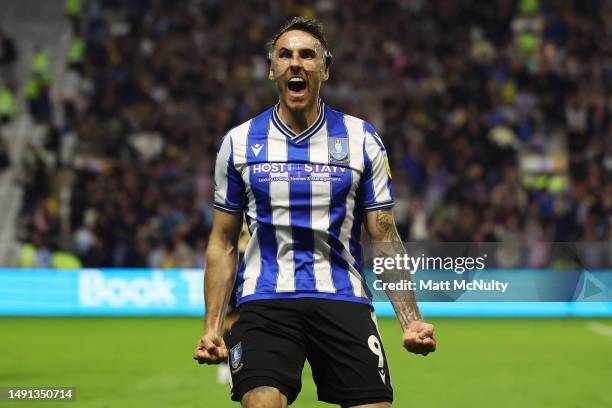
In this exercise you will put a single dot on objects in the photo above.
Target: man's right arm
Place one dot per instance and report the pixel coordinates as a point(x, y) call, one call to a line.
point(221, 261)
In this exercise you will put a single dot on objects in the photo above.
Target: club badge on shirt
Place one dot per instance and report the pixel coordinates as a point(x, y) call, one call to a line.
point(338, 150)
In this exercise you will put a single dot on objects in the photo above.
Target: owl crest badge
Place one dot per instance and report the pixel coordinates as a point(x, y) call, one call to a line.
point(235, 355)
point(338, 150)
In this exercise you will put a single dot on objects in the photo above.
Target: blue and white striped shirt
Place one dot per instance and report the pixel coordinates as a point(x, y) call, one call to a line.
point(304, 196)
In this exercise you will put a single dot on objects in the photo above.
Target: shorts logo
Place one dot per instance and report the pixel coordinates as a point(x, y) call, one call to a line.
point(236, 357)
point(382, 374)
point(338, 149)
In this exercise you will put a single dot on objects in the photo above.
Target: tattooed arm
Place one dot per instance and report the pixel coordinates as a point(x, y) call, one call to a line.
point(418, 335)
point(386, 241)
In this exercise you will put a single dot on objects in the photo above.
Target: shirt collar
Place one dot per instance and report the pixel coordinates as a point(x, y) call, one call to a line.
point(298, 137)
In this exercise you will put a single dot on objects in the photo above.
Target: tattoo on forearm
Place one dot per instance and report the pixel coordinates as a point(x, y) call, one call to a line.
point(384, 222)
point(404, 301)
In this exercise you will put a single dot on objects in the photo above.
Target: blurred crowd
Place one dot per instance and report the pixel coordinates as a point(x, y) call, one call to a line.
point(465, 95)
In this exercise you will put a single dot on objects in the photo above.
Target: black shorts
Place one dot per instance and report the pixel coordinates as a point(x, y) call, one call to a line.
point(272, 338)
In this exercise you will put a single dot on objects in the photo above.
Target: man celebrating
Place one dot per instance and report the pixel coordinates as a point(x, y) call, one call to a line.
point(308, 178)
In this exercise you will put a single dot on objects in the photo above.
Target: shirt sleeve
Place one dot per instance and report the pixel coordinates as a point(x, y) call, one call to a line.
point(377, 192)
point(229, 188)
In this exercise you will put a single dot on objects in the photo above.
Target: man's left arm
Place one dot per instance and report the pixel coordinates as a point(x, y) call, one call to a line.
point(418, 336)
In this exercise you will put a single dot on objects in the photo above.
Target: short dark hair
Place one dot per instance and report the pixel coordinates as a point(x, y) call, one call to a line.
point(309, 25)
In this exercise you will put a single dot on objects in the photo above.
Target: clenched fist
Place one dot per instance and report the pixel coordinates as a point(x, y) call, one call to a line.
point(419, 338)
point(211, 349)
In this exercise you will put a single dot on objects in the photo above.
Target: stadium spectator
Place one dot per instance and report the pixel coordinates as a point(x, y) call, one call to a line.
point(74, 12)
point(5, 160)
point(8, 60)
point(8, 107)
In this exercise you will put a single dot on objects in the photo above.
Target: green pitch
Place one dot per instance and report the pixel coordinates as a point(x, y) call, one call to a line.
point(146, 362)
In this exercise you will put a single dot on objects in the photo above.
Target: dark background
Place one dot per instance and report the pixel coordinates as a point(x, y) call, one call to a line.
point(496, 116)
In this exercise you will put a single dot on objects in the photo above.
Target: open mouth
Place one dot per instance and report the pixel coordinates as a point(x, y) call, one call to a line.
point(296, 84)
